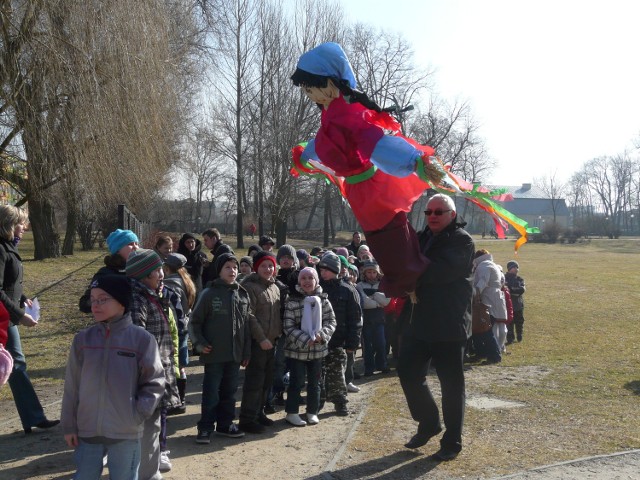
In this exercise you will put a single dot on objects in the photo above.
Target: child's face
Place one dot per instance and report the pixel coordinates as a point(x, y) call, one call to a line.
point(245, 268)
point(513, 270)
point(229, 272)
point(370, 275)
point(165, 249)
point(125, 251)
point(104, 307)
point(286, 262)
point(307, 282)
point(154, 279)
point(190, 243)
point(266, 270)
point(353, 276)
point(327, 274)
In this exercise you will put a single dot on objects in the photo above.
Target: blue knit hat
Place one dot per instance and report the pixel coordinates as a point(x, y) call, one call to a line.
point(118, 239)
point(141, 263)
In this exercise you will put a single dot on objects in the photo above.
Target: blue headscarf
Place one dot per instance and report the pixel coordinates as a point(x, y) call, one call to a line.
point(328, 60)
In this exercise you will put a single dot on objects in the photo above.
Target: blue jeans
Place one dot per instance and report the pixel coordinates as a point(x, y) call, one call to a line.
point(374, 347)
point(27, 403)
point(123, 459)
point(183, 349)
point(219, 388)
point(313, 371)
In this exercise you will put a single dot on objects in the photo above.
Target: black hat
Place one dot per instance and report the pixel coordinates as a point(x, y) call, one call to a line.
point(176, 260)
point(117, 286)
point(266, 239)
point(511, 264)
point(222, 259)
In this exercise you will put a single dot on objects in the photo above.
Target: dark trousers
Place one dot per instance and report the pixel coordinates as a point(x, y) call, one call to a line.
point(486, 345)
point(258, 377)
point(218, 395)
point(373, 347)
point(313, 371)
point(415, 357)
point(517, 325)
point(25, 397)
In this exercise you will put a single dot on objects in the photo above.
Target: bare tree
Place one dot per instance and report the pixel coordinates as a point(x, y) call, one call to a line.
point(553, 189)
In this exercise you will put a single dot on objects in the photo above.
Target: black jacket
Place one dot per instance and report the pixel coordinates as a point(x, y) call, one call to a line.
point(11, 281)
point(195, 262)
point(209, 274)
point(344, 299)
point(445, 289)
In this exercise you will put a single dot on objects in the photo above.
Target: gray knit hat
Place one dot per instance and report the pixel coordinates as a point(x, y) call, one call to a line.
point(331, 262)
point(288, 250)
point(511, 264)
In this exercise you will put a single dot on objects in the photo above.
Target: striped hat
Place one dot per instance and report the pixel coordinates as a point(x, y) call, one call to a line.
point(141, 263)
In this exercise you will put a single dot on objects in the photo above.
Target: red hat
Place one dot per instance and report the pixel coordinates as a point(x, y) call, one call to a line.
point(262, 257)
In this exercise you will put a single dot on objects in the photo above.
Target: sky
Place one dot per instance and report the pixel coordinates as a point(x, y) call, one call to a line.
point(552, 83)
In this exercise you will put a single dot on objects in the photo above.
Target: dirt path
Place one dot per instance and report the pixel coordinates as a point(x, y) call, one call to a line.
point(284, 452)
point(322, 452)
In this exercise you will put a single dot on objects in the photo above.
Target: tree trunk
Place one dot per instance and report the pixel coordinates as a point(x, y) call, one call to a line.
point(327, 213)
point(45, 233)
point(70, 233)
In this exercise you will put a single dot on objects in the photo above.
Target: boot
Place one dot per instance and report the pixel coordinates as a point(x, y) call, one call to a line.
point(182, 388)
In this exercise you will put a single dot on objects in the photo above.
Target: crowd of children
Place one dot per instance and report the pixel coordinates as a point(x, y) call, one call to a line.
point(288, 314)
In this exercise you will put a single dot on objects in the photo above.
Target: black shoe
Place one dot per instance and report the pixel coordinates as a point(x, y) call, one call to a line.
point(386, 370)
point(203, 437)
point(519, 338)
point(44, 425)
point(266, 421)
point(179, 410)
point(421, 438)
point(278, 399)
point(491, 361)
point(444, 454)
point(251, 427)
point(341, 409)
point(357, 376)
point(368, 374)
point(269, 409)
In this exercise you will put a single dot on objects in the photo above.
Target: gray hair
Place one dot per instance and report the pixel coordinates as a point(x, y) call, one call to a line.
point(10, 217)
point(446, 199)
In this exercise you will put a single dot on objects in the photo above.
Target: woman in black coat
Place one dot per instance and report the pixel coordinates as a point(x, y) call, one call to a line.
point(13, 222)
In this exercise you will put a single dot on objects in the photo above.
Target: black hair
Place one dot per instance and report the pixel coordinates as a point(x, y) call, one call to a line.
point(306, 79)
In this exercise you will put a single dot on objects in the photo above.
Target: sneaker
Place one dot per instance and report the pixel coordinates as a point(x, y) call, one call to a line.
point(368, 374)
point(264, 420)
point(269, 409)
point(312, 419)
point(295, 420)
point(352, 388)
point(179, 410)
point(251, 427)
point(204, 437)
point(165, 463)
point(232, 431)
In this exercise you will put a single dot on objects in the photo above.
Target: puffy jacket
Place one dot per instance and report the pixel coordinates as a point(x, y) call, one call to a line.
point(487, 282)
point(373, 302)
point(297, 341)
point(114, 381)
point(516, 289)
point(265, 320)
point(346, 308)
point(220, 318)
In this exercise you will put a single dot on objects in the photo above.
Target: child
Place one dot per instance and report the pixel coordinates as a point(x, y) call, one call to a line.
point(309, 323)
point(266, 328)
point(152, 311)
point(178, 280)
point(373, 302)
point(219, 331)
point(516, 289)
point(346, 338)
point(114, 381)
point(246, 267)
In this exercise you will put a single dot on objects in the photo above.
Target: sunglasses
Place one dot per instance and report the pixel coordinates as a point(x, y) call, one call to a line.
point(437, 213)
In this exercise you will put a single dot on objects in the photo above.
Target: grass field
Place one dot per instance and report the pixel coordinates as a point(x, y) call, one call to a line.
point(577, 371)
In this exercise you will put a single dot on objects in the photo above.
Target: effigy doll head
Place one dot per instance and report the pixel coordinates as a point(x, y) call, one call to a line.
point(321, 70)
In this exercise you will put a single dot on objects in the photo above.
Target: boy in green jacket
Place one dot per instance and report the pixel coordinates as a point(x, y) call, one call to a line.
point(219, 330)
